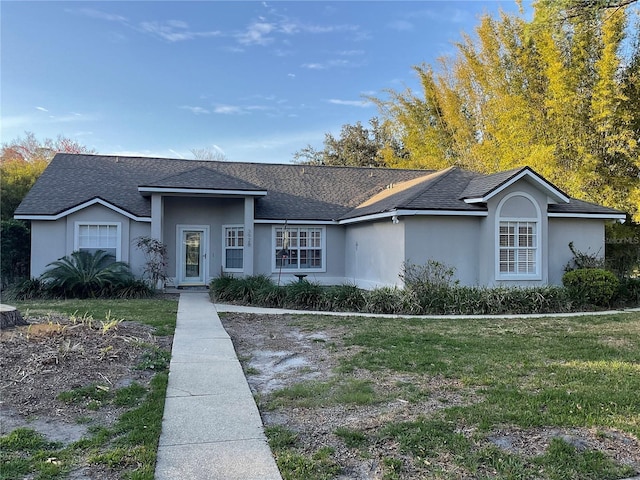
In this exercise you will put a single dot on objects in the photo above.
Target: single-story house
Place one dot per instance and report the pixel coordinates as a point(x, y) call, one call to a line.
point(333, 224)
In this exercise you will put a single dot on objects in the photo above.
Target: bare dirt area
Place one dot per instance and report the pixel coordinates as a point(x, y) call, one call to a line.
point(276, 353)
point(55, 354)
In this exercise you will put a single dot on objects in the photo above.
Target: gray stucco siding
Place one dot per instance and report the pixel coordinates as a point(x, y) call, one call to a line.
point(207, 212)
point(374, 253)
point(48, 244)
point(587, 236)
point(54, 239)
point(450, 240)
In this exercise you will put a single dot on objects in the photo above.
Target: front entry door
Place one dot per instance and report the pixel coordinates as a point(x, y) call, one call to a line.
point(192, 255)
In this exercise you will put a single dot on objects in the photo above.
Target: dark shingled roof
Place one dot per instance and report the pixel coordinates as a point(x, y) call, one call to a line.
point(202, 178)
point(294, 192)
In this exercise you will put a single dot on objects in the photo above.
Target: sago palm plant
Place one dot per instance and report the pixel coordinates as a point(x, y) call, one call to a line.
point(84, 274)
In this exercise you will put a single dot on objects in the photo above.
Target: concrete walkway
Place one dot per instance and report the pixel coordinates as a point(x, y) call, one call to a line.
point(211, 428)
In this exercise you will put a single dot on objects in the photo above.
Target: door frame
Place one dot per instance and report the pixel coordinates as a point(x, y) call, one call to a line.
point(180, 254)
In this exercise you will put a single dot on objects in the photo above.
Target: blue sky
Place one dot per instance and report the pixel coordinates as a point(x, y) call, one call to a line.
point(257, 80)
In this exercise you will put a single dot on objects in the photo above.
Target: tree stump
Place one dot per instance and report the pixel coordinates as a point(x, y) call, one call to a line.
point(10, 317)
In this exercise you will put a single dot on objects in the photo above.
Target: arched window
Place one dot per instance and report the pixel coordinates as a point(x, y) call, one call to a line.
point(518, 239)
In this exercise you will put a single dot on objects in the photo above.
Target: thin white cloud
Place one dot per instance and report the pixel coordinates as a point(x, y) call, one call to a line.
point(350, 103)
point(32, 119)
point(334, 63)
point(99, 14)
point(175, 31)
point(195, 110)
point(257, 34)
point(42, 109)
point(228, 110)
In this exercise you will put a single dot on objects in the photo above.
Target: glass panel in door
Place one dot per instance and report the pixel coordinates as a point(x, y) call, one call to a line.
point(192, 255)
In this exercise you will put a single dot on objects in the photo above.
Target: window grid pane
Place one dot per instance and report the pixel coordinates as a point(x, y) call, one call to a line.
point(298, 248)
point(517, 247)
point(233, 251)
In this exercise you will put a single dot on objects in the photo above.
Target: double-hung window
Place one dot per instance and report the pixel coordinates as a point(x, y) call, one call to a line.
point(92, 237)
point(518, 240)
point(299, 248)
point(518, 248)
point(233, 248)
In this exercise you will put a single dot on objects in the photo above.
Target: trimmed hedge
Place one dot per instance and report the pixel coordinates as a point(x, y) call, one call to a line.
point(591, 286)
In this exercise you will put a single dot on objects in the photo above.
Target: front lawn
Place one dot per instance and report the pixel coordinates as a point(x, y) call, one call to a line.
point(545, 398)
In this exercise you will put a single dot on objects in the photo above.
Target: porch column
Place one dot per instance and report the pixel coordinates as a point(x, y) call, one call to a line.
point(156, 216)
point(248, 235)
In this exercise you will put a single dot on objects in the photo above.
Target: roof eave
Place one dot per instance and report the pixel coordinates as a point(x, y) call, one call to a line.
point(594, 216)
point(407, 213)
point(551, 190)
point(81, 206)
point(203, 191)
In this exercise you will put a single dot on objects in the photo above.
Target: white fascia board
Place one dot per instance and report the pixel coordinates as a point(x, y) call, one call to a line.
point(81, 207)
point(406, 213)
point(552, 191)
point(297, 222)
point(206, 191)
point(594, 216)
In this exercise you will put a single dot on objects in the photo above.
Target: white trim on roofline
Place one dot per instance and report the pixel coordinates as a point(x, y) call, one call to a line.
point(406, 213)
point(595, 216)
point(553, 191)
point(82, 206)
point(209, 191)
point(296, 222)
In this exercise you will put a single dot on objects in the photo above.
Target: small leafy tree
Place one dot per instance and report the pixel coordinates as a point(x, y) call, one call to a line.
point(15, 244)
point(84, 274)
point(155, 253)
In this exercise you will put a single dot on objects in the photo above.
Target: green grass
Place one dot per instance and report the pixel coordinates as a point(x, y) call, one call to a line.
point(316, 394)
point(295, 465)
point(156, 312)
point(130, 444)
point(576, 372)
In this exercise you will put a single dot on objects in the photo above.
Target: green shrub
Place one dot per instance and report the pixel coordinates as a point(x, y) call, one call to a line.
point(431, 274)
point(219, 288)
point(131, 289)
point(246, 289)
point(27, 290)
point(629, 292)
point(304, 294)
point(591, 286)
point(84, 274)
point(271, 295)
point(346, 298)
point(384, 300)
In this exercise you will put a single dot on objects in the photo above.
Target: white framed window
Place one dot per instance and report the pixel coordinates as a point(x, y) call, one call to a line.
point(518, 246)
point(518, 238)
point(299, 248)
point(96, 236)
point(233, 248)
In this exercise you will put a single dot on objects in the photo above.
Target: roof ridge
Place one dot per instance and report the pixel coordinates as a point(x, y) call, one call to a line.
point(440, 174)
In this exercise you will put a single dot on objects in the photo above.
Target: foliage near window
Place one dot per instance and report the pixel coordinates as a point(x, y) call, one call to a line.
point(84, 274)
point(582, 260)
point(155, 254)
